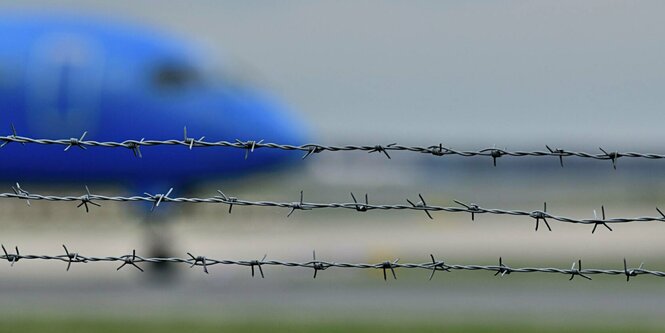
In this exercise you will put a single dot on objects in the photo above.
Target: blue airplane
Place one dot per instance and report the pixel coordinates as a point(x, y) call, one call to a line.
point(61, 75)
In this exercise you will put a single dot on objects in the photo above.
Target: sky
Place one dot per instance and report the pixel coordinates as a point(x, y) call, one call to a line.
point(515, 74)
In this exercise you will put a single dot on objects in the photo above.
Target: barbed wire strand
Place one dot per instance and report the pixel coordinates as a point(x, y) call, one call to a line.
point(312, 148)
point(388, 266)
point(473, 209)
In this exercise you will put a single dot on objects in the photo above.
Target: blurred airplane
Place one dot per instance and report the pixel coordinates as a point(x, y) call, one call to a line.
point(61, 75)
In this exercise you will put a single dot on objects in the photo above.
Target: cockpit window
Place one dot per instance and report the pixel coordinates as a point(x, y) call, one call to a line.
point(175, 76)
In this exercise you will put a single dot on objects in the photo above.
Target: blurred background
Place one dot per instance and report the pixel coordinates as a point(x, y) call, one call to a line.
point(471, 75)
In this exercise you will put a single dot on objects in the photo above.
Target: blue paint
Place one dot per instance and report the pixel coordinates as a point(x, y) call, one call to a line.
point(116, 81)
point(63, 85)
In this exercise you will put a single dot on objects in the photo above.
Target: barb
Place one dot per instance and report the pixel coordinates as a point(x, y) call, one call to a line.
point(319, 265)
point(191, 141)
point(158, 198)
point(12, 258)
point(11, 138)
point(630, 272)
point(136, 147)
point(360, 207)
point(503, 269)
point(300, 205)
point(613, 156)
point(258, 263)
point(85, 200)
point(540, 215)
point(197, 260)
point(249, 146)
point(312, 148)
point(495, 153)
point(437, 265)
point(595, 225)
point(19, 191)
point(223, 199)
point(421, 204)
point(391, 266)
point(127, 260)
point(557, 152)
point(230, 200)
point(382, 149)
point(471, 208)
point(74, 142)
point(578, 271)
point(72, 257)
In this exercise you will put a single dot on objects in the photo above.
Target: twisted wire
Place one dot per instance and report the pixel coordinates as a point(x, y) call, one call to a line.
point(312, 148)
point(388, 266)
point(89, 198)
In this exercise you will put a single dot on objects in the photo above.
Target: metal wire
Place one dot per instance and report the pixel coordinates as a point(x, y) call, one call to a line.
point(473, 209)
point(388, 266)
point(311, 148)
point(317, 265)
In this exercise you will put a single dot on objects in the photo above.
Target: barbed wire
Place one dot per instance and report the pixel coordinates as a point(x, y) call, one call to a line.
point(388, 266)
point(312, 148)
point(473, 209)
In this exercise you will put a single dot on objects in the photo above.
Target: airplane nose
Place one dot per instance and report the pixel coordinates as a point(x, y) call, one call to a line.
point(252, 116)
point(272, 121)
